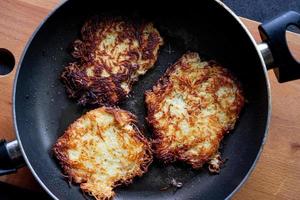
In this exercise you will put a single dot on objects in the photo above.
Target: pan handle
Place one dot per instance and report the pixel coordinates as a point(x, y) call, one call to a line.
point(281, 60)
point(10, 157)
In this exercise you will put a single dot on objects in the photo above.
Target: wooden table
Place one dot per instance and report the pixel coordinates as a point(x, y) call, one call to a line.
point(277, 174)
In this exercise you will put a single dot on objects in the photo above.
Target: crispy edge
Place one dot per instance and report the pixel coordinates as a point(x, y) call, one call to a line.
point(60, 148)
point(110, 93)
point(156, 95)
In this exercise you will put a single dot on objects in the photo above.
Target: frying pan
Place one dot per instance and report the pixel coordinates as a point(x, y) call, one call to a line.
point(42, 110)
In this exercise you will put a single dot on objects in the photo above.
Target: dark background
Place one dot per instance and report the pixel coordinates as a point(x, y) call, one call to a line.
point(259, 10)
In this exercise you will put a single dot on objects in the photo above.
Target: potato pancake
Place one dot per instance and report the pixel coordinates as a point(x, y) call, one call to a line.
point(103, 149)
point(191, 108)
point(111, 55)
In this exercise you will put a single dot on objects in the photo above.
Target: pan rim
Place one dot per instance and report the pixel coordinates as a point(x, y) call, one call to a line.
point(14, 98)
point(266, 132)
point(238, 187)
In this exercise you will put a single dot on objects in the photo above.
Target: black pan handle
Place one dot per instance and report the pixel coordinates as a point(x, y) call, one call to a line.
point(285, 66)
point(10, 157)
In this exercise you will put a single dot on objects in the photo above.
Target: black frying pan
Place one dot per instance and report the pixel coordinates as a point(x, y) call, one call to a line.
point(42, 110)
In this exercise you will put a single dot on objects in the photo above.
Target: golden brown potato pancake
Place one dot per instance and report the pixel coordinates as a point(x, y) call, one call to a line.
point(111, 54)
point(103, 149)
point(191, 108)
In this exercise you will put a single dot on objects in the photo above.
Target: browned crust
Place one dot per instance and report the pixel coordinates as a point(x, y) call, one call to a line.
point(156, 95)
point(61, 146)
point(106, 90)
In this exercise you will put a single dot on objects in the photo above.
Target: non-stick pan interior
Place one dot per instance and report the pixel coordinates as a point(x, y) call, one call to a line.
point(43, 110)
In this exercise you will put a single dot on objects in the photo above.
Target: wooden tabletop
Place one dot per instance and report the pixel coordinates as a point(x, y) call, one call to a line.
point(277, 174)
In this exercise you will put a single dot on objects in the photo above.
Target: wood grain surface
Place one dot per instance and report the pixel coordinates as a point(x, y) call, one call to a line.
point(277, 174)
